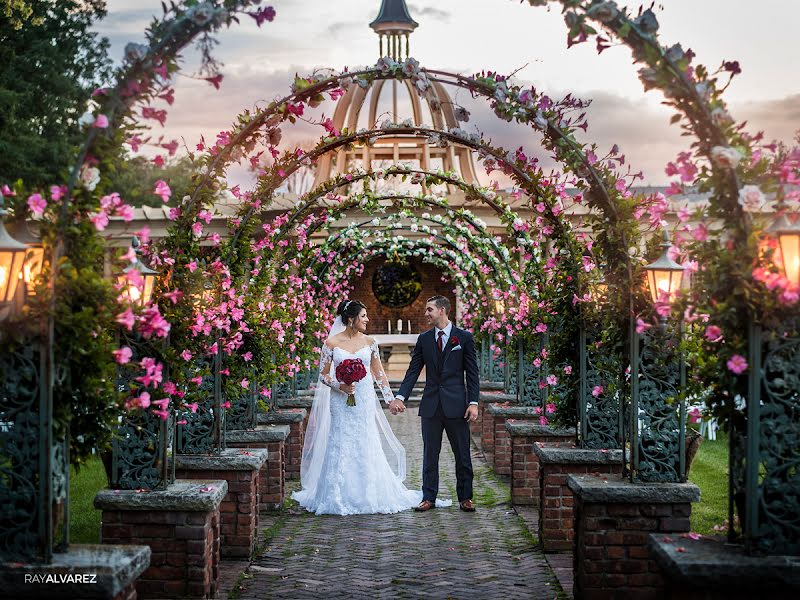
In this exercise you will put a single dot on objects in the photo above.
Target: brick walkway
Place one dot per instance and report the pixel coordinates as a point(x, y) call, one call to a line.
point(444, 553)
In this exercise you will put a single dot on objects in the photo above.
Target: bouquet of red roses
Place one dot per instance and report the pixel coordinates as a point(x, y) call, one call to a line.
point(351, 371)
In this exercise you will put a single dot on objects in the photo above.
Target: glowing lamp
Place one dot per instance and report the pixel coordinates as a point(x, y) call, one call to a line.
point(788, 234)
point(133, 292)
point(664, 275)
point(12, 257)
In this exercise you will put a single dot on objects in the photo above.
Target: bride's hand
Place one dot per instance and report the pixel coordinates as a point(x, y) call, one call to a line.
point(347, 389)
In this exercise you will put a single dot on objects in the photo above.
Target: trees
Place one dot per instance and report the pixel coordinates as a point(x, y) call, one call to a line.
point(49, 67)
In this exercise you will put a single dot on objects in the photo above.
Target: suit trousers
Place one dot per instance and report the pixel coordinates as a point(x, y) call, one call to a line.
point(458, 434)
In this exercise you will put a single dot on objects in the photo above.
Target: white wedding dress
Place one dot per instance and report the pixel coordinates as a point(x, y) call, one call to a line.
point(352, 462)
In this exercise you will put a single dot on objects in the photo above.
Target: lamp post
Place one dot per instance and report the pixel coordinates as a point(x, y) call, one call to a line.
point(664, 275)
point(788, 234)
point(12, 257)
point(135, 293)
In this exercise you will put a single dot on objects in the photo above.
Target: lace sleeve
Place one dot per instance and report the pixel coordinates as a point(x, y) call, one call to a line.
point(379, 375)
point(326, 359)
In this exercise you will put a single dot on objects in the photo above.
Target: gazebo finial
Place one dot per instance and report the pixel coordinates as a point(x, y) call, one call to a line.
point(394, 22)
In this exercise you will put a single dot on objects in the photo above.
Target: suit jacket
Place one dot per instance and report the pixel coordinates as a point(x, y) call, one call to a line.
point(451, 377)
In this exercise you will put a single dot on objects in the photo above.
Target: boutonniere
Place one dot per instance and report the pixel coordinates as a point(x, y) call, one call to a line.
point(454, 341)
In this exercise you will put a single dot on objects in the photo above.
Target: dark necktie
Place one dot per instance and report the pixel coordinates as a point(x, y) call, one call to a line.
point(439, 342)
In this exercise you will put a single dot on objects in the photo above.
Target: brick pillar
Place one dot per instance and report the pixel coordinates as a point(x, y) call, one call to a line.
point(272, 477)
point(296, 419)
point(613, 522)
point(239, 509)
point(500, 414)
point(181, 526)
point(524, 463)
point(556, 462)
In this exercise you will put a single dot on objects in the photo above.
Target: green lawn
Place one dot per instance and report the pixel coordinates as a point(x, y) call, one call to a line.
point(709, 472)
point(84, 518)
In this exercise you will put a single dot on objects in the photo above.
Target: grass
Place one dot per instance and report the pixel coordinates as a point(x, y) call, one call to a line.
point(84, 518)
point(709, 472)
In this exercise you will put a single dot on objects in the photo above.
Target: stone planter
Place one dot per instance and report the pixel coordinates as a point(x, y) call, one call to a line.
point(525, 483)
point(180, 524)
point(613, 521)
point(239, 509)
point(272, 478)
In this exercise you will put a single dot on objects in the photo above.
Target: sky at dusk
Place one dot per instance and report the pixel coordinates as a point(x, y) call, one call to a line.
point(500, 35)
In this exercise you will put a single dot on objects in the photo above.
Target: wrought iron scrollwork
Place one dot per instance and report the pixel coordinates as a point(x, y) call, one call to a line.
point(532, 370)
point(658, 409)
point(772, 513)
point(243, 411)
point(599, 412)
point(203, 431)
point(140, 446)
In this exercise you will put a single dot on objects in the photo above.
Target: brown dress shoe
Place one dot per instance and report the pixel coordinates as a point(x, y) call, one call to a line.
point(467, 506)
point(425, 505)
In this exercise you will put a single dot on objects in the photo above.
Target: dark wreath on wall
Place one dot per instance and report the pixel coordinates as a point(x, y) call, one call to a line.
point(396, 284)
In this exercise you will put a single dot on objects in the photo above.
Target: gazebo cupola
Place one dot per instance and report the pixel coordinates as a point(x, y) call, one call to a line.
point(394, 23)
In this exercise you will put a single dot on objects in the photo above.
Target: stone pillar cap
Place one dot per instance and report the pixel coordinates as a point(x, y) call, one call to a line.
point(190, 495)
point(230, 459)
point(614, 489)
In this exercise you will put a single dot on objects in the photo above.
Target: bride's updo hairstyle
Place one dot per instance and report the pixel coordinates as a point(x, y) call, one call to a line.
point(349, 310)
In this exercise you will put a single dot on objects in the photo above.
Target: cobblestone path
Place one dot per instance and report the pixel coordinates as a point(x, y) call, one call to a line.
point(444, 553)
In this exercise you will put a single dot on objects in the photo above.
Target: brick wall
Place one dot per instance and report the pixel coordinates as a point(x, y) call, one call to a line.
point(379, 315)
point(272, 477)
point(612, 557)
point(525, 474)
point(502, 442)
point(238, 511)
point(557, 513)
point(185, 549)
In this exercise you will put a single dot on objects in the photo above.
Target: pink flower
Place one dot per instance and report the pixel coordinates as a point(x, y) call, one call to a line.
point(37, 204)
point(552, 380)
point(101, 122)
point(244, 383)
point(162, 189)
point(192, 407)
point(123, 355)
point(197, 229)
point(598, 389)
point(126, 212)
point(192, 266)
point(126, 319)
point(186, 355)
point(541, 328)
point(247, 356)
point(550, 408)
point(642, 326)
point(737, 364)
point(99, 220)
point(162, 414)
point(713, 333)
point(162, 404)
point(543, 420)
point(568, 370)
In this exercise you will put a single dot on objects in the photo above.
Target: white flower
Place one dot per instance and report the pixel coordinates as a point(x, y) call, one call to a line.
point(386, 64)
point(90, 177)
point(86, 119)
point(201, 14)
point(540, 120)
point(134, 52)
point(462, 114)
point(603, 12)
point(410, 67)
point(725, 156)
point(387, 124)
point(751, 198)
point(414, 227)
point(379, 173)
point(720, 116)
point(407, 123)
point(346, 82)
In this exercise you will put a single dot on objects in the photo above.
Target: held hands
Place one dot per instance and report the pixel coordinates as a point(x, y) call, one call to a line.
point(472, 413)
point(347, 389)
point(396, 406)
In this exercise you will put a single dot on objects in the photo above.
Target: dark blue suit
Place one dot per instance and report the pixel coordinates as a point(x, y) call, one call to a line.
point(451, 383)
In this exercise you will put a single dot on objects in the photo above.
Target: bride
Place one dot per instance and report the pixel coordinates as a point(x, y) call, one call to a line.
point(352, 462)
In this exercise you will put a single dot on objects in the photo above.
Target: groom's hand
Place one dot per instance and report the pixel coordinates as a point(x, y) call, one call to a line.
point(472, 413)
point(396, 406)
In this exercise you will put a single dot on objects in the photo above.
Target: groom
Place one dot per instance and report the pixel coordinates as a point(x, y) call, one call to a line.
point(448, 405)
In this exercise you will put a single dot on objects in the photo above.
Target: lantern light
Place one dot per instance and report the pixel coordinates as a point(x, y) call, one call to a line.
point(788, 234)
point(12, 256)
point(664, 275)
point(130, 290)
